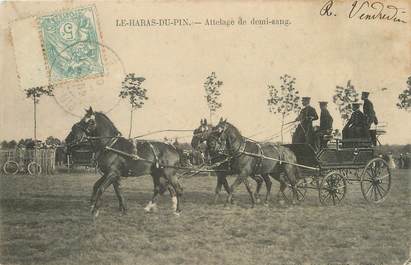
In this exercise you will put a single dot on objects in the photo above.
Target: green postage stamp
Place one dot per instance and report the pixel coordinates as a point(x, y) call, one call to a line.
point(71, 44)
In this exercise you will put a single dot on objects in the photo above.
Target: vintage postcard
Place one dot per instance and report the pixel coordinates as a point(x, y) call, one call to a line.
point(205, 132)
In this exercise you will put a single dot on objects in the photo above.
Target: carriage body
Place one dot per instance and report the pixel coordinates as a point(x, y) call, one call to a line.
point(81, 155)
point(330, 169)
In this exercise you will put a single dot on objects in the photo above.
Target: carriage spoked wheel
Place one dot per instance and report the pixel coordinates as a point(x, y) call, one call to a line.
point(332, 188)
point(11, 168)
point(34, 168)
point(376, 180)
point(300, 188)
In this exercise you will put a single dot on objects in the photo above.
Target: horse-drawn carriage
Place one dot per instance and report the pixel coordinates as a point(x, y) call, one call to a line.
point(330, 170)
point(81, 155)
point(296, 166)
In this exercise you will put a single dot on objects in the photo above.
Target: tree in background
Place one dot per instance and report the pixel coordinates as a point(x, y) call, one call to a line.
point(405, 97)
point(4, 144)
point(131, 89)
point(27, 143)
point(8, 145)
point(12, 144)
point(52, 141)
point(35, 93)
point(285, 100)
point(212, 88)
point(343, 98)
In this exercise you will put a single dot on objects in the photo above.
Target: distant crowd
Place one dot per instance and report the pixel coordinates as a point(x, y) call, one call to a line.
point(29, 143)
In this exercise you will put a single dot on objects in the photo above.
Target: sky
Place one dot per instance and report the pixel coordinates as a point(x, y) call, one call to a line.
point(319, 52)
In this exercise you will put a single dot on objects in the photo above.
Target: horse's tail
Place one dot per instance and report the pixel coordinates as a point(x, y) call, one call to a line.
point(179, 152)
point(297, 172)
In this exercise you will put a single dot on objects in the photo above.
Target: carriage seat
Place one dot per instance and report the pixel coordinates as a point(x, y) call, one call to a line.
point(356, 143)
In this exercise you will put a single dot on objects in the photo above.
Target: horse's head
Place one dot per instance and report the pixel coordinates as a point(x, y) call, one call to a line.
point(225, 136)
point(77, 134)
point(98, 124)
point(88, 122)
point(200, 134)
point(80, 130)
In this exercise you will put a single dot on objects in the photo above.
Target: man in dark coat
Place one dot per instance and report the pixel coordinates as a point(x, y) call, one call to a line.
point(326, 124)
point(368, 109)
point(304, 131)
point(356, 126)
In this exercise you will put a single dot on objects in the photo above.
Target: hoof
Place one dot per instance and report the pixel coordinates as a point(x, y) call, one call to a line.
point(177, 213)
point(150, 207)
point(258, 200)
point(281, 202)
point(95, 214)
point(266, 204)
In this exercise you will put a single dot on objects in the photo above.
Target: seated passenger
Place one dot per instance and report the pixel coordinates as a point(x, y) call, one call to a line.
point(356, 127)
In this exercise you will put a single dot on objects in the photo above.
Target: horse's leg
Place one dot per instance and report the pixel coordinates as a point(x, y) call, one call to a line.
point(290, 173)
point(280, 179)
point(95, 187)
point(175, 184)
point(268, 184)
point(281, 196)
point(250, 191)
point(178, 192)
point(225, 183)
point(226, 186)
point(173, 195)
point(120, 197)
point(240, 178)
point(108, 180)
point(152, 205)
point(220, 181)
point(259, 180)
point(164, 187)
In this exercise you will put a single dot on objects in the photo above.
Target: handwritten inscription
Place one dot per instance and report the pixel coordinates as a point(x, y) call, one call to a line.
point(367, 10)
point(376, 11)
point(326, 10)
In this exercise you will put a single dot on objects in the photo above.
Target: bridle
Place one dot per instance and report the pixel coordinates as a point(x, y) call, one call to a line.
point(201, 134)
point(84, 137)
point(220, 130)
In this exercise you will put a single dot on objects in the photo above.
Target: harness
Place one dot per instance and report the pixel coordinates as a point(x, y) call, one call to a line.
point(241, 151)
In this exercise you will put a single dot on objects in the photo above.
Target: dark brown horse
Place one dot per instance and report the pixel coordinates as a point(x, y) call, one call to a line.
point(251, 158)
point(217, 157)
point(118, 157)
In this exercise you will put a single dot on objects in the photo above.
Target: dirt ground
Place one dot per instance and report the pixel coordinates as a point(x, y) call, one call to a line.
point(46, 220)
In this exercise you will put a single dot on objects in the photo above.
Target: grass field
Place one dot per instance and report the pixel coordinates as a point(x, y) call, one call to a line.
point(46, 220)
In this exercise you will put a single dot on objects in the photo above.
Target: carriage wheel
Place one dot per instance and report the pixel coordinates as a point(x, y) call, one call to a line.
point(34, 168)
point(332, 189)
point(300, 188)
point(376, 180)
point(11, 167)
